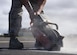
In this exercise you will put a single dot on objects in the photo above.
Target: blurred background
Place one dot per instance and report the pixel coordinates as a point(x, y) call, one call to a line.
point(62, 12)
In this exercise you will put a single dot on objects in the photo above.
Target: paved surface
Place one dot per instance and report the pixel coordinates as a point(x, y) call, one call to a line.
point(27, 41)
point(28, 46)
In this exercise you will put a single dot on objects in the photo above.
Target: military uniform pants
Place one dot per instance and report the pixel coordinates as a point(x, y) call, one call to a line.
point(15, 18)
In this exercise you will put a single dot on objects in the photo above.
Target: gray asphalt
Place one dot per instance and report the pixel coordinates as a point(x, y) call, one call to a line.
point(27, 41)
point(28, 46)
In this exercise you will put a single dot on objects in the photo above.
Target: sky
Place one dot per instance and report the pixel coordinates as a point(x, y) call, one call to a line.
point(62, 12)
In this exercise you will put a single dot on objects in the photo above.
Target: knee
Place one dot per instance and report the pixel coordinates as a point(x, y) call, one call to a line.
point(16, 12)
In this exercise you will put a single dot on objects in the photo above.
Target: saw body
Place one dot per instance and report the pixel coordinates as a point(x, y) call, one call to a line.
point(48, 37)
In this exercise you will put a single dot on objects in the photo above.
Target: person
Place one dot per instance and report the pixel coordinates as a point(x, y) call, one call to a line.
point(34, 7)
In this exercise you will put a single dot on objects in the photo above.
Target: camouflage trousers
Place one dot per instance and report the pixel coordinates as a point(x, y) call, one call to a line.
point(15, 18)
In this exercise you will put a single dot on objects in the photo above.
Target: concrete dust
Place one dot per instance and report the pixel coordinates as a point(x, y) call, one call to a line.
point(70, 43)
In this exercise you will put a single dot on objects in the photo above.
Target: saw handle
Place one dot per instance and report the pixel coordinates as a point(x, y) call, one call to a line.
point(53, 24)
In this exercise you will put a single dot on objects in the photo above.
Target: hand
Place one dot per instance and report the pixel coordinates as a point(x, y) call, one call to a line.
point(36, 13)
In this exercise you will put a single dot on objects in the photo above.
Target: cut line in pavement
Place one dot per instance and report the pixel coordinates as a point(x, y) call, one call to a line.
point(21, 41)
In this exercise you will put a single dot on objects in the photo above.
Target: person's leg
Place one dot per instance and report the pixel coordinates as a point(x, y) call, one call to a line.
point(35, 8)
point(15, 24)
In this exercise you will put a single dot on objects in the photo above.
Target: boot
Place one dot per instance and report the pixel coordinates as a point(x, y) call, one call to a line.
point(38, 45)
point(15, 44)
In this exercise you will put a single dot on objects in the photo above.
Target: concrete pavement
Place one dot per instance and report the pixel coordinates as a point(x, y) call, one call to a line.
point(28, 43)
